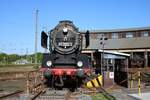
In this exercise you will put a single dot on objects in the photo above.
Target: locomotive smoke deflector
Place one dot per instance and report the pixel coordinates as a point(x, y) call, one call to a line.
point(87, 39)
point(44, 39)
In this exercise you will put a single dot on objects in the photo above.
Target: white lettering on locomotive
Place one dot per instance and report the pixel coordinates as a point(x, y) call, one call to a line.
point(65, 44)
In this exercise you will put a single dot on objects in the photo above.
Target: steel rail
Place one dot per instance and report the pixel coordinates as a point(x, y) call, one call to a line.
point(38, 94)
point(11, 94)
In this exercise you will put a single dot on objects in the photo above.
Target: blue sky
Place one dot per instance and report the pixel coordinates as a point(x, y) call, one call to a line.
point(17, 18)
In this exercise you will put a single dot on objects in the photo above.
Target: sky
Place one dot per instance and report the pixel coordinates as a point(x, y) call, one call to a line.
point(17, 18)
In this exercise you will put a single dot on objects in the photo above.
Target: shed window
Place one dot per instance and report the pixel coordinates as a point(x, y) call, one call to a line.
point(144, 33)
point(129, 35)
point(114, 36)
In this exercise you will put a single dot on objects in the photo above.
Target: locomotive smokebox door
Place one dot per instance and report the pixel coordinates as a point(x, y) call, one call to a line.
point(44, 39)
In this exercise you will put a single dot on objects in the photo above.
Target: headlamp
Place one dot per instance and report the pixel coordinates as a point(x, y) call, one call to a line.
point(49, 63)
point(79, 63)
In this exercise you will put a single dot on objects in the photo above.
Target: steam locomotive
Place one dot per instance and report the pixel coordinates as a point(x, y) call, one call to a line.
point(64, 66)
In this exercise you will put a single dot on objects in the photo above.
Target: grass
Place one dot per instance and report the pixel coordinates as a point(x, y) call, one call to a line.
point(101, 96)
point(16, 68)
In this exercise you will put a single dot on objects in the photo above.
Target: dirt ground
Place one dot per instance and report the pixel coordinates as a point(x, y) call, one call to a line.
point(12, 85)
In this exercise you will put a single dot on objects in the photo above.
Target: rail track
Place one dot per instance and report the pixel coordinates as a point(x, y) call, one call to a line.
point(65, 94)
point(37, 91)
point(8, 95)
point(51, 94)
point(60, 95)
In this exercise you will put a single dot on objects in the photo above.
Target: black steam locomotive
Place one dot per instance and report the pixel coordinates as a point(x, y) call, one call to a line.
point(64, 66)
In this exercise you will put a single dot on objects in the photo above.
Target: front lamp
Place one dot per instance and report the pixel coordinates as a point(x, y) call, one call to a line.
point(49, 63)
point(79, 63)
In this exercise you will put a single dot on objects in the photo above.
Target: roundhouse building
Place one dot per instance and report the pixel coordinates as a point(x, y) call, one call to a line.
point(134, 41)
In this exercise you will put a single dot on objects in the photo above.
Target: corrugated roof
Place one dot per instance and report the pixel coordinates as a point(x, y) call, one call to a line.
point(123, 43)
point(118, 30)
